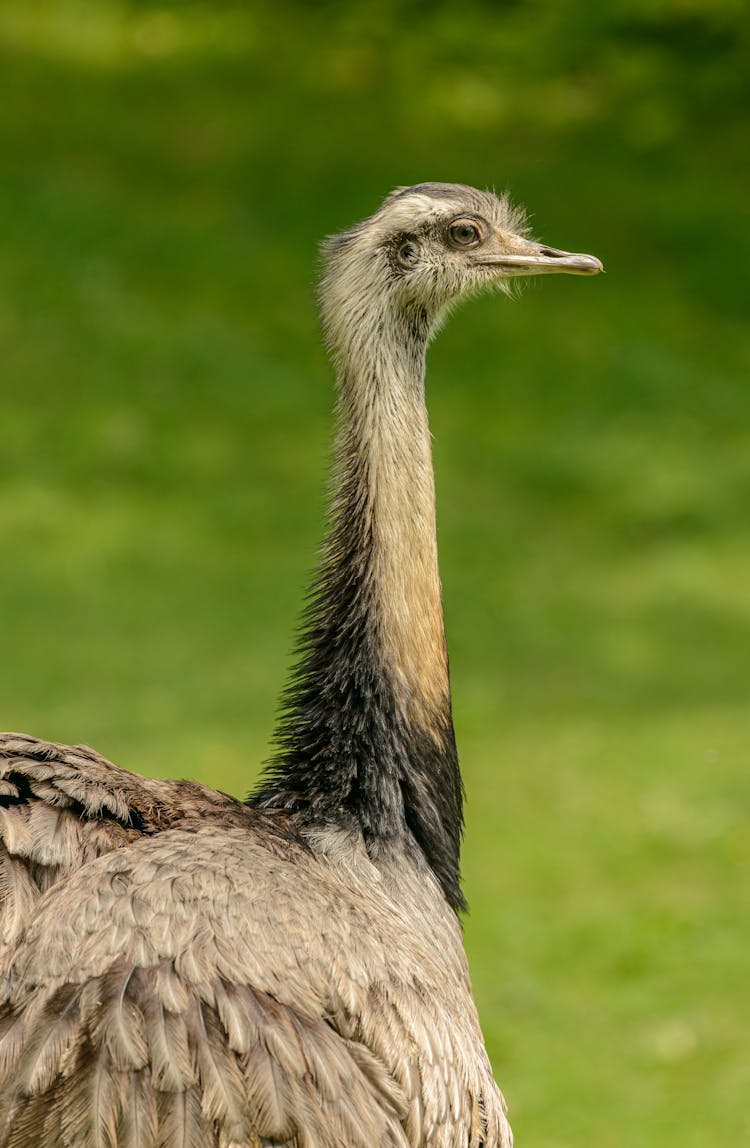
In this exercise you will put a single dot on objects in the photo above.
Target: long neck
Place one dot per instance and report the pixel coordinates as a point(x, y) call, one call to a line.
point(366, 733)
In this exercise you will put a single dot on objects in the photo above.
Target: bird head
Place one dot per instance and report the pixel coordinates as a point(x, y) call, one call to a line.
point(429, 246)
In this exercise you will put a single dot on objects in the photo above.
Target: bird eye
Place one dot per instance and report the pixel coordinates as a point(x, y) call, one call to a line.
point(408, 253)
point(464, 233)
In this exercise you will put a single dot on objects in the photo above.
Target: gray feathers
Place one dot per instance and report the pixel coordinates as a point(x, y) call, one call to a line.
point(182, 970)
point(168, 989)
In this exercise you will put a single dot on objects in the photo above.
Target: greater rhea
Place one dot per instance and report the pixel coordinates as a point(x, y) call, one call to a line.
point(179, 968)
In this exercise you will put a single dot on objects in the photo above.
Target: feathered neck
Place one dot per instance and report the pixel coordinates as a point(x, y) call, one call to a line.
point(366, 734)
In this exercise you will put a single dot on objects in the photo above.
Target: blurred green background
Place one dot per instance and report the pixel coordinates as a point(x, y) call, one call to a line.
point(167, 173)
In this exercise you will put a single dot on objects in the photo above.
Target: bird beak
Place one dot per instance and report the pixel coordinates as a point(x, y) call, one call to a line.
point(531, 258)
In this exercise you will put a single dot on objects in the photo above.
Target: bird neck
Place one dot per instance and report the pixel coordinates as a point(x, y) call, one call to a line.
point(366, 733)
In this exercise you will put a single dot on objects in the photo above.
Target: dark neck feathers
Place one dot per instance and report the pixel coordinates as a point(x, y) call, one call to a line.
point(366, 735)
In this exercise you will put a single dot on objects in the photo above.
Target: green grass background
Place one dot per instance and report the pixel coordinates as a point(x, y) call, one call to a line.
point(166, 172)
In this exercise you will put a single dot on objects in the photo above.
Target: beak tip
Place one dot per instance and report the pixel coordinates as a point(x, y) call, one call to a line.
point(590, 265)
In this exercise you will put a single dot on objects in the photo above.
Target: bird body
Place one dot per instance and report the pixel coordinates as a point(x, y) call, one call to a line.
point(178, 960)
point(179, 968)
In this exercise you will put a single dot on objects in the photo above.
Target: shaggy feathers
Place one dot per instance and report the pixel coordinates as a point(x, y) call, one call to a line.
point(175, 972)
point(179, 969)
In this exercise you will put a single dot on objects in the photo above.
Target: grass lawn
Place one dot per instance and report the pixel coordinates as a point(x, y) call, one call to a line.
point(164, 409)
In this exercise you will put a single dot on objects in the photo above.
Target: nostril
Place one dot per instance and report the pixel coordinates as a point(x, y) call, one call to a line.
point(551, 253)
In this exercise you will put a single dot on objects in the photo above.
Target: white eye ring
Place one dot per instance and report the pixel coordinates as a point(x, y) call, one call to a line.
point(408, 253)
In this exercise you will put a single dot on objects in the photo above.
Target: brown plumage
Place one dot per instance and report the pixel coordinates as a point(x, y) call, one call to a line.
point(182, 969)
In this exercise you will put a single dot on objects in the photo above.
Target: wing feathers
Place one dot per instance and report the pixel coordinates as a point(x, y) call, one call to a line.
point(223, 1097)
point(138, 1125)
point(166, 1039)
point(181, 1121)
point(172, 1065)
point(19, 894)
point(63, 806)
point(263, 1092)
point(51, 1035)
point(118, 1022)
point(108, 1065)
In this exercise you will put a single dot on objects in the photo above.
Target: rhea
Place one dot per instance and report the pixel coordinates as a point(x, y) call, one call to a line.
point(179, 968)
